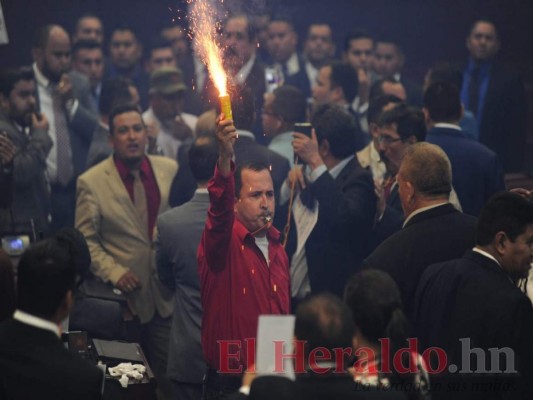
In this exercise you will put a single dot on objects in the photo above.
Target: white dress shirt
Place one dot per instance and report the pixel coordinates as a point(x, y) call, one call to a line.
point(36, 322)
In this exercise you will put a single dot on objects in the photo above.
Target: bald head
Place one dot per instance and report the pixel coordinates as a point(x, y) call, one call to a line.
point(51, 51)
point(424, 177)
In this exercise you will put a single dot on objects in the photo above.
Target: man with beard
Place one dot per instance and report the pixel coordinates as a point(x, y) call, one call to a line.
point(24, 145)
point(64, 97)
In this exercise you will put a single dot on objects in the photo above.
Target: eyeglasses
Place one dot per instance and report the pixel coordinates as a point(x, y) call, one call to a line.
point(387, 140)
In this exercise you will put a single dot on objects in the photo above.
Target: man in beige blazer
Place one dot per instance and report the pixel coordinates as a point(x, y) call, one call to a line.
point(117, 205)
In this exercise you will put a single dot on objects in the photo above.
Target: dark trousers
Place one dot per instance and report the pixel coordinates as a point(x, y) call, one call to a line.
point(186, 391)
point(62, 206)
point(220, 386)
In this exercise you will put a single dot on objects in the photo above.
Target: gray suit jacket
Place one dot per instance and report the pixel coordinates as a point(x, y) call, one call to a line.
point(179, 234)
point(30, 194)
point(117, 240)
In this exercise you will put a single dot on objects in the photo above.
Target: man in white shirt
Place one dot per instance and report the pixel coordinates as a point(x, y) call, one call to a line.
point(165, 117)
point(64, 97)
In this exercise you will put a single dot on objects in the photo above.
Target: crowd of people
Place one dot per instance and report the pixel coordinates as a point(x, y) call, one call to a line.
point(370, 206)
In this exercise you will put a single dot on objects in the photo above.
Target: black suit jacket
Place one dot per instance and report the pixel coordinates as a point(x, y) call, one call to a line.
point(438, 234)
point(337, 244)
point(503, 124)
point(472, 297)
point(477, 173)
point(34, 364)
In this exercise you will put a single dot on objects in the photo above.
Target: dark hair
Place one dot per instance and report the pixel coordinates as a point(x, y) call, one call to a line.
point(158, 43)
point(409, 121)
point(376, 305)
point(41, 36)
point(125, 27)
point(446, 72)
point(356, 34)
point(376, 89)
point(443, 102)
point(242, 107)
point(9, 78)
point(203, 156)
point(114, 92)
point(485, 20)
point(81, 256)
point(46, 272)
point(324, 321)
point(389, 40)
point(336, 125)
point(252, 165)
point(504, 212)
point(345, 76)
point(118, 110)
point(376, 105)
point(283, 17)
point(250, 26)
point(86, 44)
point(290, 104)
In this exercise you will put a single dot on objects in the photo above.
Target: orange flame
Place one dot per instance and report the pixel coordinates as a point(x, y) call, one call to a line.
point(204, 26)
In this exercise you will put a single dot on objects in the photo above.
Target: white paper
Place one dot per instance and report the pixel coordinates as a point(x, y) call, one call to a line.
point(272, 328)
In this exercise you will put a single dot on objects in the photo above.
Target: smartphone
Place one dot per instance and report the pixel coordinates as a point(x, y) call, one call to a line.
point(303, 127)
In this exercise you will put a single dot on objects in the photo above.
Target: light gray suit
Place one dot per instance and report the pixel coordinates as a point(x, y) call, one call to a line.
point(179, 234)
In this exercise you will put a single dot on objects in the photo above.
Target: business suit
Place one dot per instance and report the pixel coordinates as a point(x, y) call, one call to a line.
point(337, 243)
point(36, 365)
point(477, 173)
point(472, 297)
point(30, 198)
point(502, 127)
point(435, 235)
point(179, 233)
point(100, 147)
point(119, 242)
point(81, 125)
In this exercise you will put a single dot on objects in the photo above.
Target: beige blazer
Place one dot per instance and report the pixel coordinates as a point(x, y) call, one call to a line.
point(117, 241)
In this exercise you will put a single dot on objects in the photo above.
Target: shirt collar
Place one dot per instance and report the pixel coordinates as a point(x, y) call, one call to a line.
point(447, 125)
point(488, 255)
point(336, 170)
point(39, 77)
point(243, 73)
point(125, 172)
point(292, 64)
point(36, 322)
point(421, 210)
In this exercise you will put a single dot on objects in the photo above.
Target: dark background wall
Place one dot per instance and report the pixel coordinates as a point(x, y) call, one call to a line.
point(429, 30)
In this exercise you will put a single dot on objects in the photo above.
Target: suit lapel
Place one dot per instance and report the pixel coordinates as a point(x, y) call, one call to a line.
point(117, 188)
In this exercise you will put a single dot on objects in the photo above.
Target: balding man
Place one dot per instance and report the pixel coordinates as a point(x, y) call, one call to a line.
point(433, 231)
point(64, 97)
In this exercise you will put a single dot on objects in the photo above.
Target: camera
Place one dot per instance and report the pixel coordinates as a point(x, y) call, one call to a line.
point(15, 245)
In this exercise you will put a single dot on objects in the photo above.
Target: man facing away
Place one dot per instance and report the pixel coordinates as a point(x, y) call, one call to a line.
point(243, 267)
point(34, 362)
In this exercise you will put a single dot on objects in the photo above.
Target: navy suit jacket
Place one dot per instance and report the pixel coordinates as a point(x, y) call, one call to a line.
point(503, 124)
point(477, 173)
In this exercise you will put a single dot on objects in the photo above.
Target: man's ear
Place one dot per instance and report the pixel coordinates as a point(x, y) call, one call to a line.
point(500, 242)
point(323, 148)
point(4, 102)
point(410, 189)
